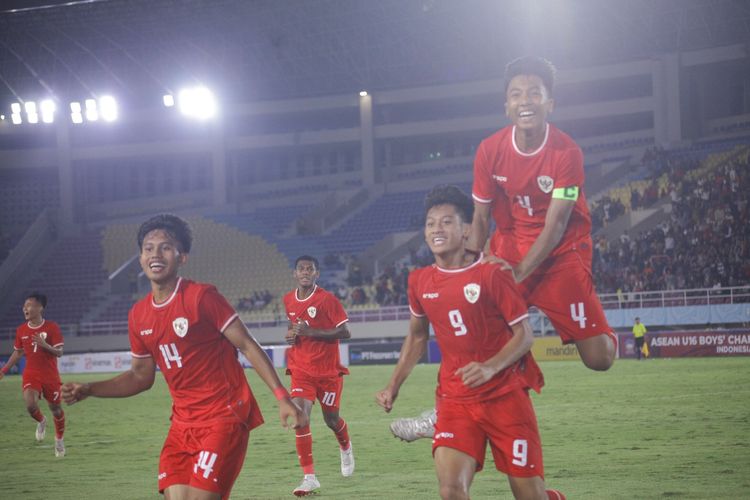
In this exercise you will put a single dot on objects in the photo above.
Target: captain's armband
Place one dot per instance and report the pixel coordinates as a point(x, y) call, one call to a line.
point(566, 193)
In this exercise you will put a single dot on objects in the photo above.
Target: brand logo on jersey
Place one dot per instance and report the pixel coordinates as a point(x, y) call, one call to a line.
point(471, 292)
point(444, 435)
point(312, 311)
point(147, 332)
point(545, 183)
point(432, 295)
point(500, 178)
point(180, 326)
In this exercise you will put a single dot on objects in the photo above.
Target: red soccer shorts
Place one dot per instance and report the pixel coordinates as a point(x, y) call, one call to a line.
point(327, 390)
point(208, 458)
point(564, 291)
point(49, 390)
point(507, 422)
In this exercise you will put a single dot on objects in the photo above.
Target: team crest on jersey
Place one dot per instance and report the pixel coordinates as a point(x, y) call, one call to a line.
point(43, 335)
point(312, 311)
point(471, 292)
point(180, 326)
point(545, 183)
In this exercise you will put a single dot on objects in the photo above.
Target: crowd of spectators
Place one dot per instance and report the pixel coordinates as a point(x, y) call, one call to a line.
point(257, 301)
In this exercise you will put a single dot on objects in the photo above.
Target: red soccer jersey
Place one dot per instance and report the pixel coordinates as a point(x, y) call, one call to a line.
point(322, 311)
point(527, 180)
point(184, 336)
point(39, 363)
point(471, 310)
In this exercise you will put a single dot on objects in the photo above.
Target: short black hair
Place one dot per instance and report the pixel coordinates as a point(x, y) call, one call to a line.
point(174, 226)
point(531, 65)
point(308, 258)
point(39, 297)
point(450, 195)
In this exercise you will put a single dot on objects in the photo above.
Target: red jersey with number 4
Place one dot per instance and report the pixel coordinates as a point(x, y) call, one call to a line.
point(502, 171)
point(39, 363)
point(471, 310)
point(184, 336)
point(322, 311)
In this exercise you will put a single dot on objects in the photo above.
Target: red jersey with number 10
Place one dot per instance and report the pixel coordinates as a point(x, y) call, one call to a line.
point(504, 174)
point(471, 310)
point(184, 336)
point(322, 311)
point(39, 363)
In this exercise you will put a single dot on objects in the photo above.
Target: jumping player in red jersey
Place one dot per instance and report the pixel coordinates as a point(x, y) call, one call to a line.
point(534, 172)
point(481, 326)
point(317, 321)
point(42, 343)
point(192, 334)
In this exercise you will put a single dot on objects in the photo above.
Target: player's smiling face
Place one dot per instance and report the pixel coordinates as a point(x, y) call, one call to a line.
point(32, 309)
point(305, 273)
point(444, 231)
point(527, 102)
point(161, 257)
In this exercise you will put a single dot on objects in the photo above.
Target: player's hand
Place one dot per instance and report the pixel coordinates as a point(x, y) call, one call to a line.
point(300, 328)
point(39, 340)
point(504, 265)
point(72, 392)
point(475, 374)
point(386, 398)
point(288, 409)
point(290, 337)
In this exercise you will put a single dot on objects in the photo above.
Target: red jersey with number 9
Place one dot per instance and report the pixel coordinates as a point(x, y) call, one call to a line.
point(471, 310)
point(184, 336)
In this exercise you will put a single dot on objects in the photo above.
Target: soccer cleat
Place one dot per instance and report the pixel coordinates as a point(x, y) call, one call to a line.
point(41, 429)
point(307, 487)
point(411, 429)
point(59, 448)
point(347, 461)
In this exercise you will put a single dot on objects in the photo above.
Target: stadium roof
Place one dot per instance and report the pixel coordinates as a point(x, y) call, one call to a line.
point(264, 49)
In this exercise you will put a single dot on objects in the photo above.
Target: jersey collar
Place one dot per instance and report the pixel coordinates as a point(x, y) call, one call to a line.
point(315, 287)
point(166, 302)
point(462, 269)
point(28, 323)
point(536, 151)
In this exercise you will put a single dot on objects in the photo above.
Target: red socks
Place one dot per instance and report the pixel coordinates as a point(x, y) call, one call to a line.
point(37, 415)
point(342, 435)
point(304, 449)
point(60, 425)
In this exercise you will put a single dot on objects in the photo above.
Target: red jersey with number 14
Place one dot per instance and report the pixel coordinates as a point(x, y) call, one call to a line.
point(184, 336)
point(471, 310)
point(322, 311)
point(526, 181)
point(39, 363)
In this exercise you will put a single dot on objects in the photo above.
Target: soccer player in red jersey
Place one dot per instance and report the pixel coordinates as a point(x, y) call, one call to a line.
point(42, 343)
point(481, 326)
point(192, 334)
point(533, 172)
point(317, 321)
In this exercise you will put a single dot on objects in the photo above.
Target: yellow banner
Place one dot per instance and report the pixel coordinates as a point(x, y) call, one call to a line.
point(552, 349)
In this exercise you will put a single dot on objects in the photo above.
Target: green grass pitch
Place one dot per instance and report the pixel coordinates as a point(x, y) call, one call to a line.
point(653, 429)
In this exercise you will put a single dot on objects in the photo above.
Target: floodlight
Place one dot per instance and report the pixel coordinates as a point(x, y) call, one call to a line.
point(15, 108)
point(48, 110)
point(32, 117)
point(2, 117)
point(92, 114)
point(76, 117)
point(168, 100)
point(197, 103)
point(75, 107)
point(108, 108)
point(16, 118)
point(362, 93)
point(30, 107)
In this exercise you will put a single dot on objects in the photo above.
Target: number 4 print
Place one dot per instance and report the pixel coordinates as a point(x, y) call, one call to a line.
point(525, 202)
point(169, 352)
point(578, 314)
point(206, 461)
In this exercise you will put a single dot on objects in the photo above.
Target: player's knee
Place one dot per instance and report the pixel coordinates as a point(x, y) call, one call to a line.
point(332, 420)
point(56, 410)
point(32, 408)
point(600, 362)
point(453, 491)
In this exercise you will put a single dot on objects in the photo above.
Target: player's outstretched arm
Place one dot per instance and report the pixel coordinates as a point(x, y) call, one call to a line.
point(475, 373)
point(12, 360)
point(555, 223)
point(412, 350)
point(480, 227)
point(139, 378)
point(238, 335)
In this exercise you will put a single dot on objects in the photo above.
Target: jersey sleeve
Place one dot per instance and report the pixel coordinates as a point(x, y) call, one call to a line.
point(414, 305)
point(483, 189)
point(570, 169)
point(508, 298)
point(137, 347)
point(214, 309)
point(55, 336)
point(335, 310)
point(17, 344)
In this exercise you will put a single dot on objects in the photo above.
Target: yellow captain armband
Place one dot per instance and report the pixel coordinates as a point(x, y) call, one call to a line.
point(566, 193)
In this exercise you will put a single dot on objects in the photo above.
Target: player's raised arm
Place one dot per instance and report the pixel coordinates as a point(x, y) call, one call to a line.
point(412, 350)
point(480, 227)
point(238, 335)
point(139, 378)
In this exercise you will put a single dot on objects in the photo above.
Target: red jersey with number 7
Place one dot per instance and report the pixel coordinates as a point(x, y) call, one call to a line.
point(527, 181)
point(184, 336)
point(322, 311)
point(40, 364)
point(471, 310)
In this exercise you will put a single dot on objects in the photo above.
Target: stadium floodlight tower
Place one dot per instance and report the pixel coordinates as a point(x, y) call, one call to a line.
point(108, 108)
point(168, 100)
point(15, 113)
point(47, 108)
point(76, 115)
point(31, 112)
point(92, 113)
point(197, 102)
